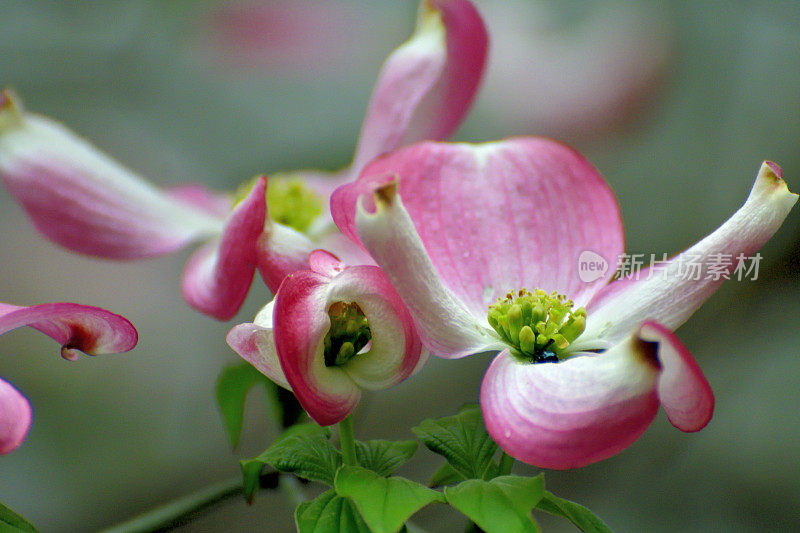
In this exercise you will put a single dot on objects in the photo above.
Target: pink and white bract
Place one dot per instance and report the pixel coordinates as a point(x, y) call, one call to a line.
point(83, 200)
point(457, 226)
point(423, 92)
point(76, 327)
point(293, 340)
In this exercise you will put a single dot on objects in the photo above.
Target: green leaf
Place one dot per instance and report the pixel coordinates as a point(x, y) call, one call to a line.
point(303, 450)
point(580, 516)
point(502, 505)
point(329, 513)
point(385, 503)
point(12, 522)
point(446, 475)
point(462, 439)
point(233, 386)
point(384, 457)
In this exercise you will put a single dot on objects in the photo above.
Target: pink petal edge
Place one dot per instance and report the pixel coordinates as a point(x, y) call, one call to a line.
point(592, 406)
point(393, 241)
point(218, 276)
point(426, 85)
point(573, 413)
point(16, 416)
point(76, 327)
point(83, 200)
point(255, 344)
point(325, 263)
point(452, 97)
point(301, 322)
point(682, 388)
point(281, 251)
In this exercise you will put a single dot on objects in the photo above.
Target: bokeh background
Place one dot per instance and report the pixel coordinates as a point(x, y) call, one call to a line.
point(677, 103)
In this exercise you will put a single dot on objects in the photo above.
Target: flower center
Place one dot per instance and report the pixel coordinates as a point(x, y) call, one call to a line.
point(538, 326)
point(289, 201)
point(349, 333)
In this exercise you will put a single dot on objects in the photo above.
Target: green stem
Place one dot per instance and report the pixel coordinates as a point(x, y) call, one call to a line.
point(506, 462)
point(347, 440)
point(182, 510)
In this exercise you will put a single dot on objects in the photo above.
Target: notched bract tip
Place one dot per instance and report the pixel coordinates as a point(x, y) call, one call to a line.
point(771, 174)
point(428, 13)
point(385, 194)
point(10, 109)
point(770, 181)
point(7, 98)
point(68, 353)
point(775, 168)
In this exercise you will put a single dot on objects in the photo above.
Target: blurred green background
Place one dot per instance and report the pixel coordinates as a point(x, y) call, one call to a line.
point(677, 103)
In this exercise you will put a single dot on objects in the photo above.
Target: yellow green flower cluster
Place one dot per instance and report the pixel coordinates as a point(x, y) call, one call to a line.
point(538, 325)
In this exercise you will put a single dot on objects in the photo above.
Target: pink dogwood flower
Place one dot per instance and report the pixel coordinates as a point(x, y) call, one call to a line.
point(483, 244)
point(77, 327)
point(331, 331)
point(83, 200)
